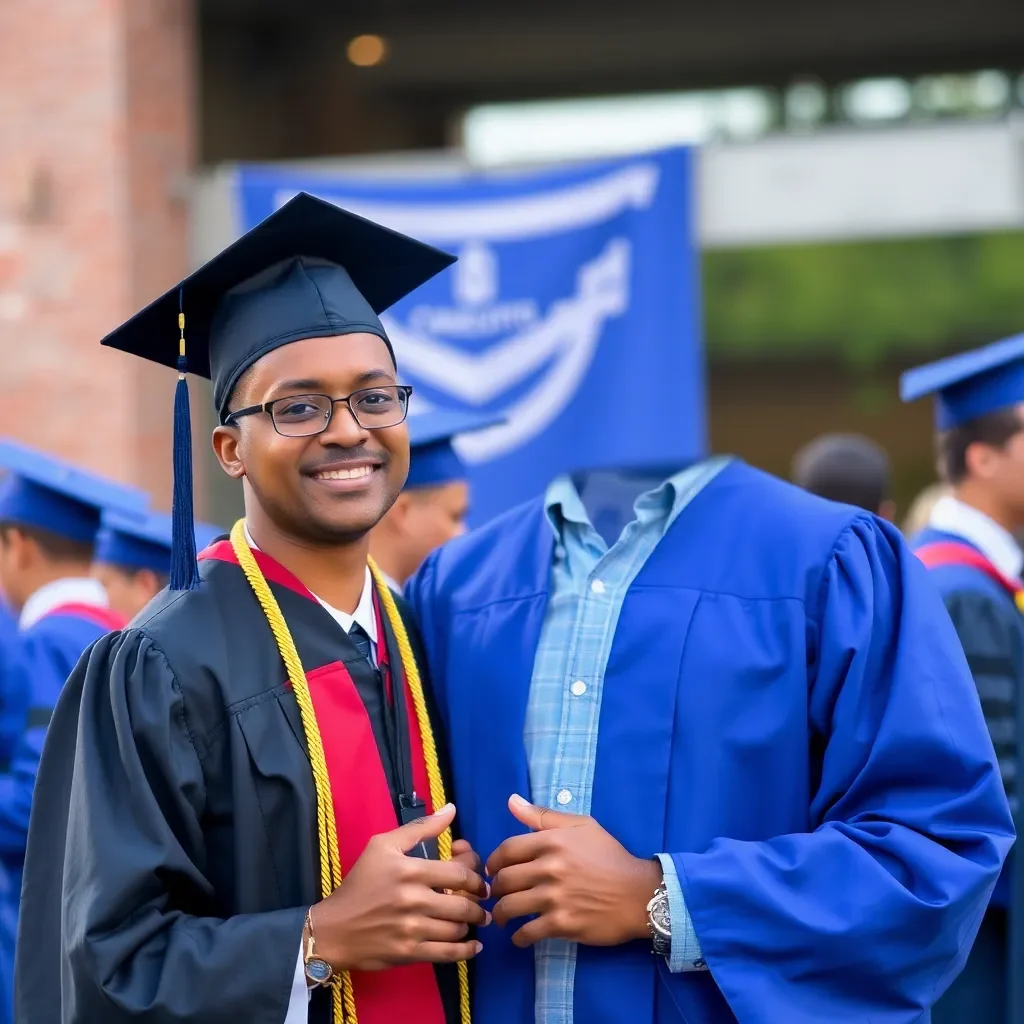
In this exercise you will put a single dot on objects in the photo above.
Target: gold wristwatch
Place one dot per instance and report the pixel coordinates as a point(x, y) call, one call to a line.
point(318, 970)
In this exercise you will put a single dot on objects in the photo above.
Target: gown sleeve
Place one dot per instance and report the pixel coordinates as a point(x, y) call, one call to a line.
point(17, 784)
point(15, 691)
point(120, 768)
point(990, 631)
point(870, 913)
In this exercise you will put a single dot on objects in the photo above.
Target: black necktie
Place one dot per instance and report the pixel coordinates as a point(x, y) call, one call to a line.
point(361, 639)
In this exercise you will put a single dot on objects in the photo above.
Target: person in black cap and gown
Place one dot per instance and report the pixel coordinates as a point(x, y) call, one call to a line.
point(241, 814)
point(970, 547)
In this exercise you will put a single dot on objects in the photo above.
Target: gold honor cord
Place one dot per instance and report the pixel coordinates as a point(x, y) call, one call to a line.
point(344, 1009)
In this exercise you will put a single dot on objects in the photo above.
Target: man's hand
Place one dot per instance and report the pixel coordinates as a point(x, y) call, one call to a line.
point(393, 909)
point(582, 883)
point(463, 853)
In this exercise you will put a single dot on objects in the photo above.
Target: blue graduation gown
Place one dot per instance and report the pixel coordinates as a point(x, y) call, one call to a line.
point(788, 712)
point(52, 648)
point(15, 688)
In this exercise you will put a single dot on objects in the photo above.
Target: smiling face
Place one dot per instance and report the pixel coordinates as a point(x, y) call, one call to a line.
point(327, 488)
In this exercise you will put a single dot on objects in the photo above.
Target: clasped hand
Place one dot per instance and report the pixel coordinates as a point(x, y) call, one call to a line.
point(571, 876)
point(394, 909)
point(578, 880)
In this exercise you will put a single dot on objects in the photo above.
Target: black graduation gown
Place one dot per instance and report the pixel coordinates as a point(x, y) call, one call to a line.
point(991, 629)
point(173, 849)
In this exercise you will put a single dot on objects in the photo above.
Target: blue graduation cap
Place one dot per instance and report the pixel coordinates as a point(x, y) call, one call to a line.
point(144, 541)
point(310, 270)
point(970, 384)
point(49, 494)
point(432, 457)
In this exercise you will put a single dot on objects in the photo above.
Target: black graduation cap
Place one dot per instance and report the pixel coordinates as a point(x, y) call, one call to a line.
point(310, 270)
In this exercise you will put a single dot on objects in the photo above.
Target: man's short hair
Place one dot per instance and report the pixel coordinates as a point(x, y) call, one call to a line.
point(130, 572)
point(993, 429)
point(844, 467)
point(53, 545)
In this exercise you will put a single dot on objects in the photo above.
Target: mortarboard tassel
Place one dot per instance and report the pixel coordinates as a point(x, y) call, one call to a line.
point(184, 568)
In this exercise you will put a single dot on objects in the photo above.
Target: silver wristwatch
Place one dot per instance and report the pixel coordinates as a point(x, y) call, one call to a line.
point(659, 920)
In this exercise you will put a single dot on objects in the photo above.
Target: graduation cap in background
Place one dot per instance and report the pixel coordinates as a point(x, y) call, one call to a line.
point(970, 384)
point(49, 494)
point(309, 270)
point(143, 541)
point(432, 457)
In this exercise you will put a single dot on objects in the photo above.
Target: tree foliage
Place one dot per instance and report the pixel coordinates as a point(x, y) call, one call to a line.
point(863, 302)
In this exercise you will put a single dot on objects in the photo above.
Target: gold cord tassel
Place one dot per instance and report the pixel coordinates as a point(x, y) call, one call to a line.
point(344, 1005)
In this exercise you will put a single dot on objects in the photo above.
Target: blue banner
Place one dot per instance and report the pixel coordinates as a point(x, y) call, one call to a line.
point(573, 312)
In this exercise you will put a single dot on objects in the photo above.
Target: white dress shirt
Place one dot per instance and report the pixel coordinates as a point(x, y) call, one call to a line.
point(69, 590)
point(997, 544)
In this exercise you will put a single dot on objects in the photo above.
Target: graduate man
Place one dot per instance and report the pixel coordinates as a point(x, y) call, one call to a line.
point(969, 545)
point(133, 558)
point(741, 736)
point(433, 506)
point(240, 814)
point(50, 513)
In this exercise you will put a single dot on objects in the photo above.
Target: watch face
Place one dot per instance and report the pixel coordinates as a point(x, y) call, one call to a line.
point(659, 914)
point(660, 917)
point(318, 971)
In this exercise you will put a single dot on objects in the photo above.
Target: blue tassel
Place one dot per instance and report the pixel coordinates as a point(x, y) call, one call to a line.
point(184, 568)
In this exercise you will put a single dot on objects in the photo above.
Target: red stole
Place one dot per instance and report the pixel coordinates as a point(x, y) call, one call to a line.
point(952, 552)
point(105, 618)
point(362, 801)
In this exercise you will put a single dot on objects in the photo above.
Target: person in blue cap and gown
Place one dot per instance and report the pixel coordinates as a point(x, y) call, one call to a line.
point(434, 503)
point(15, 686)
point(970, 547)
point(241, 813)
point(50, 513)
point(740, 735)
point(15, 696)
point(133, 558)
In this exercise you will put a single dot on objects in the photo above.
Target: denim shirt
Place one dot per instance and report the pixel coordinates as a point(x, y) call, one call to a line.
point(589, 582)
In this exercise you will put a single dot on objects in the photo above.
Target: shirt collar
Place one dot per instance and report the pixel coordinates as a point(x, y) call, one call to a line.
point(563, 504)
point(69, 590)
point(950, 515)
point(364, 614)
point(392, 583)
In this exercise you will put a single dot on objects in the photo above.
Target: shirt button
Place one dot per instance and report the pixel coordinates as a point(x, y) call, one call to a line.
point(564, 797)
point(578, 688)
point(597, 586)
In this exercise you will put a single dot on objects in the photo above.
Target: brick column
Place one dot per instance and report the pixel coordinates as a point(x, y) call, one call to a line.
point(96, 142)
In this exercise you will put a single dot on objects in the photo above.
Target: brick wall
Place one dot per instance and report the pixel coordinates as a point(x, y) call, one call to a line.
point(96, 140)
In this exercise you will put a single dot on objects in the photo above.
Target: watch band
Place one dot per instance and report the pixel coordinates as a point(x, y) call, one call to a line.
point(318, 971)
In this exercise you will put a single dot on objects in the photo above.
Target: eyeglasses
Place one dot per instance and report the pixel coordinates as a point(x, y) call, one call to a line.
point(304, 415)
